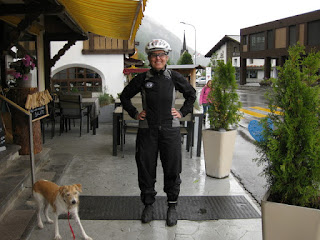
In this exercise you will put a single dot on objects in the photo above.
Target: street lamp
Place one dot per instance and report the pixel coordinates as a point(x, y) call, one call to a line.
point(195, 42)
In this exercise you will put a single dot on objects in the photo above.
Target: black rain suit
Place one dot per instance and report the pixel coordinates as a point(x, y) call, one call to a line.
point(159, 132)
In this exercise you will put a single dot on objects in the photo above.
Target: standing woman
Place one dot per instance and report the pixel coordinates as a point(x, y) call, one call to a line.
point(204, 99)
point(159, 127)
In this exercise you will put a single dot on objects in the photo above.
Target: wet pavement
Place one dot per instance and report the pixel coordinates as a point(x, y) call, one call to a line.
point(89, 161)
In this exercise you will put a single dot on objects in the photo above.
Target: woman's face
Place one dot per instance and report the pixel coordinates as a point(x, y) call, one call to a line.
point(158, 59)
point(209, 83)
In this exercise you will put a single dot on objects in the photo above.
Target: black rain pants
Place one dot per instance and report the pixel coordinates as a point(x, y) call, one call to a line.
point(150, 141)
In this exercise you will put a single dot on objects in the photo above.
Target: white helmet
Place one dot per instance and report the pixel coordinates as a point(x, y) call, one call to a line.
point(156, 45)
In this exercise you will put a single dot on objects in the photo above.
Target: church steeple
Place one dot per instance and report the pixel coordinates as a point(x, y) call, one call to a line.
point(184, 45)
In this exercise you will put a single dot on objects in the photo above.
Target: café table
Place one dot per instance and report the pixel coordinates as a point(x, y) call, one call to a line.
point(93, 106)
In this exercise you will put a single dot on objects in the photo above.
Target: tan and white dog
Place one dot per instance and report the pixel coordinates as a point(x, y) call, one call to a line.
point(63, 199)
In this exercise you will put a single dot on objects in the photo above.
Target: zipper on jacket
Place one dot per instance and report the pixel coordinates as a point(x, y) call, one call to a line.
point(160, 81)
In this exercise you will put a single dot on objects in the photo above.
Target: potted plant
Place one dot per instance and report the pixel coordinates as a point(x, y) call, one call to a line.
point(290, 150)
point(224, 115)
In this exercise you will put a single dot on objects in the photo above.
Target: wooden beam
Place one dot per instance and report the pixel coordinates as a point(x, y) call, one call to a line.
point(3, 74)
point(47, 62)
point(66, 36)
point(107, 51)
point(71, 23)
point(61, 52)
point(22, 27)
point(16, 9)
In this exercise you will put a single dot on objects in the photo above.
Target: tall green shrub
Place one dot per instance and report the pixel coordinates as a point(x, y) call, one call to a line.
point(291, 150)
point(224, 108)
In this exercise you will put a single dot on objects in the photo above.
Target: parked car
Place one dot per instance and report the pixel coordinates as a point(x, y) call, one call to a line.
point(201, 81)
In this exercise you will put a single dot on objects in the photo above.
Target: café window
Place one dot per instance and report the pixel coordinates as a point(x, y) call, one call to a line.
point(76, 79)
point(257, 41)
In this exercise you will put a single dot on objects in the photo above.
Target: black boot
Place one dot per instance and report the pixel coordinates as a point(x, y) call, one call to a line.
point(147, 214)
point(172, 215)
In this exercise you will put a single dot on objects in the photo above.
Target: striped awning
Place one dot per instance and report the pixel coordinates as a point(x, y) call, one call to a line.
point(111, 18)
point(118, 19)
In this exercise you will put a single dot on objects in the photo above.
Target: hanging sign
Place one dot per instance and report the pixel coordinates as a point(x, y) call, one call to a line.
point(37, 104)
point(39, 112)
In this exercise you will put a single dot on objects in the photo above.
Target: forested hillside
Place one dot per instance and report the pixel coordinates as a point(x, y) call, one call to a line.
point(149, 29)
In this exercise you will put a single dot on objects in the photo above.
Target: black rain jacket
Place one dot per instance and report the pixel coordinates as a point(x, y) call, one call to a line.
point(158, 97)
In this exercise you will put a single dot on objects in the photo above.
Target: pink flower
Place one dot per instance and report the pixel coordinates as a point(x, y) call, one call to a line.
point(17, 75)
point(25, 77)
point(27, 57)
point(26, 62)
point(23, 67)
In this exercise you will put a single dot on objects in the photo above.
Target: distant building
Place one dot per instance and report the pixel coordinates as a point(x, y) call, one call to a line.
point(270, 41)
point(228, 48)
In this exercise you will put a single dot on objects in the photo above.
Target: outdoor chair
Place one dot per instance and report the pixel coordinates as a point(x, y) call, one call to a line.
point(54, 113)
point(71, 108)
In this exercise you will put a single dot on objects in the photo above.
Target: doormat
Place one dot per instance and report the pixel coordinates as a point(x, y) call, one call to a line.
point(197, 208)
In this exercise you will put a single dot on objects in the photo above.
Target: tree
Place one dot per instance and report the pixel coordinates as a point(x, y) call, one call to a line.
point(185, 58)
point(143, 57)
point(223, 98)
point(213, 60)
point(169, 62)
point(290, 149)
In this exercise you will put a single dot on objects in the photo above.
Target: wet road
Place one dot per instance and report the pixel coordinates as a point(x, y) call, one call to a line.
point(243, 167)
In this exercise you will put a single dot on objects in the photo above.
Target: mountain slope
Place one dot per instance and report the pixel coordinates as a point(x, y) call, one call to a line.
point(150, 29)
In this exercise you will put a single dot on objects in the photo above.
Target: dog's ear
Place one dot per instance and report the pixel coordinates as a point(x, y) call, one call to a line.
point(61, 190)
point(78, 187)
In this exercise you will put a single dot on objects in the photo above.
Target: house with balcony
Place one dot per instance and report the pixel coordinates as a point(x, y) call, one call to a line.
point(270, 41)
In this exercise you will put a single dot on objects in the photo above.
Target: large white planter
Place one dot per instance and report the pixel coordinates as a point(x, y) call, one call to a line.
point(287, 222)
point(218, 152)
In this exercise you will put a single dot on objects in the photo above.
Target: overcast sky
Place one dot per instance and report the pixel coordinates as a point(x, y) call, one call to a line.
point(214, 19)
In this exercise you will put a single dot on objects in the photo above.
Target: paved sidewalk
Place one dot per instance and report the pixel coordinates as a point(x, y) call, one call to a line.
point(100, 173)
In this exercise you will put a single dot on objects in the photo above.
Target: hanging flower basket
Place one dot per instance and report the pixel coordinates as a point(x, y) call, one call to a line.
point(22, 70)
